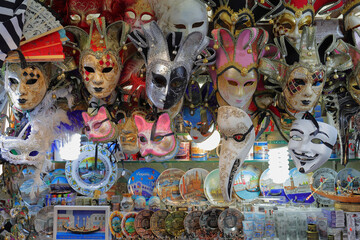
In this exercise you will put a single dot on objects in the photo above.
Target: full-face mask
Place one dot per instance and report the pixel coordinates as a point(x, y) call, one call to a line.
point(138, 14)
point(128, 135)
point(237, 15)
point(199, 111)
point(82, 12)
point(100, 65)
point(238, 137)
point(351, 13)
point(302, 74)
point(156, 138)
point(299, 14)
point(169, 62)
point(236, 73)
point(311, 144)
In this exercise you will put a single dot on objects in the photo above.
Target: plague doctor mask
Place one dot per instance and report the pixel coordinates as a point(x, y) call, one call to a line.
point(311, 143)
point(169, 62)
point(236, 75)
point(100, 65)
point(238, 137)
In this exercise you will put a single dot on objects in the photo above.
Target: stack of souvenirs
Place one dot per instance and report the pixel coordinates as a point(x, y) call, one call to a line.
point(120, 72)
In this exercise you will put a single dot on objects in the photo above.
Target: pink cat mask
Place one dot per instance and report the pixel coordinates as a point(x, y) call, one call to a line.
point(100, 128)
point(156, 139)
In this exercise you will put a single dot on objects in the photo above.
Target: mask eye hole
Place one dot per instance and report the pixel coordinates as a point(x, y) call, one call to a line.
point(13, 81)
point(296, 138)
point(180, 26)
point(159, 80)
point(176, 83)
point(239, 137)
point(75, 17)
point(89, 69)
point(146, 17)
point(107, 70)
point(87, 128)
point(286, 25)
point(15, 152)
point(197, 24)
point(250, 83)
point(97, 125)
point(356, 87)
point(299, 81)
point(232, 83)
point(92, 16)
point(317, 141)
point(33, 153)
point(131, 14)
point(143, 139)
point(158, 138)
point(31, 81)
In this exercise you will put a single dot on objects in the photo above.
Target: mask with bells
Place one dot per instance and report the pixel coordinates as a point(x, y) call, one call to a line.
point(302, 74)
point(351, 14)
point(236, 15)
point(237, 58)
point(311, 143)
point(238, 137)
point(100, 65)
point(169, 62)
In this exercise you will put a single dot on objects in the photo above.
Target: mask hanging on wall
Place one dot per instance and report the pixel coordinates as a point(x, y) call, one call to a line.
point(128, 134)
point(169, 62)
point(238, 137)
point(311, 143)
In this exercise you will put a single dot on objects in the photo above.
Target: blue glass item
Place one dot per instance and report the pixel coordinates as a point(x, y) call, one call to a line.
point(246, 183)
point(297, 187)
point(271, 189)
point(142, 182)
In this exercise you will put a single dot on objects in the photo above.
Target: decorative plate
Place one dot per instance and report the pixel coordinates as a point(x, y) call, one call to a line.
point(167, 186)
point(297, 187)
point(324, 179)
point(349, 179)
point(192, 185)
point(230, 222)
point(174, 223)
point(142, 182)
point(44, 222)
point(246, 183)
point(271, 189)
point(209, 219)
point(192, 224)
point(142, 224)
point(86, 175)
point(115, 224)
point(128, 225)
point(212, 188)
point(157, 224)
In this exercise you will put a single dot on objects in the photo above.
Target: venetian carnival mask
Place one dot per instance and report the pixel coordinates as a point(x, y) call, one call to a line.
point(138, 14)
point(351, 13)
point(82, 12)
point(100, 128)
point(100, 65)
point(128, 135)
point(236, 65)
point(156, 139)
point(311, 144)
point(169, 62)
point(302, 75)
point(238, 137)
point(26, 86)
point(237, 15)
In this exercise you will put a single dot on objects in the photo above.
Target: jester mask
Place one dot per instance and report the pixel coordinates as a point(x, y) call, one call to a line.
point(169, 62)
point(236, 74)
point(238, 137)
point(100, 65)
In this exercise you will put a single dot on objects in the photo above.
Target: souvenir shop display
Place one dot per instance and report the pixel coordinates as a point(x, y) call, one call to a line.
point(167, 119)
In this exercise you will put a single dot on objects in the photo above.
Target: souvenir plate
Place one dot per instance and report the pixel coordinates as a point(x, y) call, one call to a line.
point(115, 224)
point(174, 223)
point(212, 188)
point(192, 185)
point(86, 175)
point(209, 219)
point(271, 189)
point(44, 222)
point(167, 186)
point(324, 179)
point(297, 187)
point(142, 182)
point(142, 224)
point(246, 183)
point(192, 224)
point(128, 225)
point(157, 224)
point(230, 222)
point(349, 179)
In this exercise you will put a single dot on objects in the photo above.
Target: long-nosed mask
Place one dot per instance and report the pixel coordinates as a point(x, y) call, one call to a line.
point(311, 144)
point(238, 136)
point(169, 62)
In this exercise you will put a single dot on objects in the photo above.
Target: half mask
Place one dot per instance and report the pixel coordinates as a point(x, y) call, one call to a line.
point(138, 13)
point(236, 75)
point(238, 137)
point(169, 62)
point(311, 144)
point(82, 12)
point(100, 65)
point(156, 138)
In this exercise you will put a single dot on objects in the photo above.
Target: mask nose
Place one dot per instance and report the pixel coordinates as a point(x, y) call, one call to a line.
point(308, 90)
point(240, 91)
point(97, 80)
point(21, 89)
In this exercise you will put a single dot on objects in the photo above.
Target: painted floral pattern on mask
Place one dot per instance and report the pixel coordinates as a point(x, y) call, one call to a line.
point(82, 12)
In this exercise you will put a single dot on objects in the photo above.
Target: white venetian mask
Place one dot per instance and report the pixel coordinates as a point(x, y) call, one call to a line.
point(352, 19)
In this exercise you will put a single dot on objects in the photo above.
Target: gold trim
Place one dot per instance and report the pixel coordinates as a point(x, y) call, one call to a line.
point(243, 70)
point(234, 14)
point(303, 9)
point(350, 5)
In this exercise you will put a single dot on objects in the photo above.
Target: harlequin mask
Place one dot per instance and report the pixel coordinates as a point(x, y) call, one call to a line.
point(26, 86)
point(138, 14)
point(156, 139)
point(236, 65)
point(128, 135)
point(169, 62)
point(100, 65)
point(237, 15)
point(199, 111)
point(303, 73)
point(311, 144)
point(100, 128)
point(351, 14)
point(82, 12)
point(238, 137)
